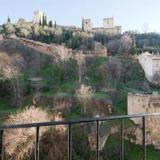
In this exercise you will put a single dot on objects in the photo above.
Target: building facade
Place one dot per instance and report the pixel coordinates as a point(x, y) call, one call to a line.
point(150, 64)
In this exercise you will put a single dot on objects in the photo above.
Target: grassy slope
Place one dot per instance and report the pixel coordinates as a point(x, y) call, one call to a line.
point(131, 150)
point(5, 110)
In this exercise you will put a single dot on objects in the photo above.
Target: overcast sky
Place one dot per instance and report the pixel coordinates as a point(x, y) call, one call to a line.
point(141, 15)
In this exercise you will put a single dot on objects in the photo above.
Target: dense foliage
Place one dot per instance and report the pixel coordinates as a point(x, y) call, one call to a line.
point(61, 86)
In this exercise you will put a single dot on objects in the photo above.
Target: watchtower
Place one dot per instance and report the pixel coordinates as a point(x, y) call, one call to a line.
point(86, 25)
point(108, 23)
point(38, 16)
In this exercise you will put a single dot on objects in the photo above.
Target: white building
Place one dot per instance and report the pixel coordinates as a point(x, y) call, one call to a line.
point(38, 16)
point(150, 64)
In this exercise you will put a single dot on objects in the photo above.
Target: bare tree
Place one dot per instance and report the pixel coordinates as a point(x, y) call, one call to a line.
point(16, 139)
point(84, 94)
point(11, 73)
point(80, 58)
point(113, 46)
point(102, 72)
point(63, 54)
point(114, 68)
point(126, 44)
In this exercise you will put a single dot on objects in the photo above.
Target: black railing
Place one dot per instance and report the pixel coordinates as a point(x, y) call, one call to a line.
point(70, 123)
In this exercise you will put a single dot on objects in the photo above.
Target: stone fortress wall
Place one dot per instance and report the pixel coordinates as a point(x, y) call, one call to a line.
point(146, 103)
point(108, 26)
point(108, 23)
point(143, 103)
point(50, 49)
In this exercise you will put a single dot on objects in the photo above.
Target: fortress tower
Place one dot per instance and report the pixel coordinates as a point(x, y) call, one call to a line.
point(108, 27)
point(38, 16)
point(108, 23)
point(86, 24)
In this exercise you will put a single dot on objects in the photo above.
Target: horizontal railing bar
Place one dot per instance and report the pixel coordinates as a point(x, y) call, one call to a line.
point(53, 123)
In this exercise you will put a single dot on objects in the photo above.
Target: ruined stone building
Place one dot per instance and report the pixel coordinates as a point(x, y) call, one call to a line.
point(108, 26)
point(145, 103)
point(142, 103)
point(150, 64)
point(38, 16)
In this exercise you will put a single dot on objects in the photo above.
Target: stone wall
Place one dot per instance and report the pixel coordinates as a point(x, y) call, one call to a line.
point(108, 23)
point(99, 49)
point(146, 103)
point(108, 27)
point(87, 24)
point(110, 31)
point(143, 103)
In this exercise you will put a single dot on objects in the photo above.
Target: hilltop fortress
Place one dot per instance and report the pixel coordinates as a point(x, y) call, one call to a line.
point(108, 26)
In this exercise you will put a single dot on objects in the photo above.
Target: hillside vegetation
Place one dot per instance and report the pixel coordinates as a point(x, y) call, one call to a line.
point(74, 83)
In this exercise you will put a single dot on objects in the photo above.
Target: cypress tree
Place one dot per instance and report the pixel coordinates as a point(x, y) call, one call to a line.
point(8, 20)
point(55, 24)
point(40, 23)
point(82, 24)
point(43, 20)
point(50, 24)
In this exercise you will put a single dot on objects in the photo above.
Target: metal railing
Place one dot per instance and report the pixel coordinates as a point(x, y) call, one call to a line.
point(84, 121)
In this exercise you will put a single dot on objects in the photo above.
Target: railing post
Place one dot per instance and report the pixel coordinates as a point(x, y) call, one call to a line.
point(37, 144)
point(122, 140)
point(144, 136)
point(69, 141)
point(97, 139)
point(1, 145)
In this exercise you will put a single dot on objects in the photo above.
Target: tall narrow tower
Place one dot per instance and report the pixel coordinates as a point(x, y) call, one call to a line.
point(38, 16)
point(86, 25)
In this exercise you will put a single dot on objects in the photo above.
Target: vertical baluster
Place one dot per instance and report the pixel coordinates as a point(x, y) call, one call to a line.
point(122, 140)
point(37, 144)
point(97, 139)
point(1, 145)
point(144, 136)
point(69, 142)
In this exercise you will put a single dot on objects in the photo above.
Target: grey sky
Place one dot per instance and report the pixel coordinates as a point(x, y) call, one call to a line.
point(141, 15)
